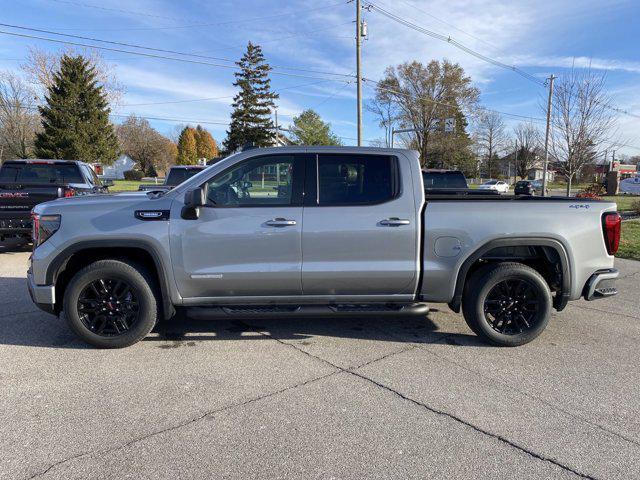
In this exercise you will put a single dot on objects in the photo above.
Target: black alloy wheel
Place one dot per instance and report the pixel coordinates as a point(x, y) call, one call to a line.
point(108, 307)
point(507, 304)
point(512, 307)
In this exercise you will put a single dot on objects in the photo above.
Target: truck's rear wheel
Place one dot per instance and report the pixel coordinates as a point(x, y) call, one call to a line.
point(111, 304)
point(508, 304)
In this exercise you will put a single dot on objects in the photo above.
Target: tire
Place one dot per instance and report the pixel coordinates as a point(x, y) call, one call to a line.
point(507, 304)
point(111, 303)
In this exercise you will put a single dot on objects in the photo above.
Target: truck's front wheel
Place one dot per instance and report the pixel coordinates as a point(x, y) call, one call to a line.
point(508, 304)
point(111, 304)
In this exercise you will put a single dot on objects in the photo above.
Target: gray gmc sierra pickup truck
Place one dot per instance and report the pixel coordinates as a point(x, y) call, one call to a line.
point(317, 231)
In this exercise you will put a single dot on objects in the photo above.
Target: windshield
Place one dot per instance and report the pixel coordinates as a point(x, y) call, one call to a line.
point(491, 182)
point(436, 180)
point(44, 173)
point(178, 175)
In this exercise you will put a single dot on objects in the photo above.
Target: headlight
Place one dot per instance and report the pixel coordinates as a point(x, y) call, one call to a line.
point(43, 227)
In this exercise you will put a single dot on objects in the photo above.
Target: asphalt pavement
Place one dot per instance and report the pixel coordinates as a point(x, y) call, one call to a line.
point(321, 398)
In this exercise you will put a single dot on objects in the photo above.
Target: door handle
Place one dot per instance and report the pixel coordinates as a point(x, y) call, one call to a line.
point(280, 222)
point(394, 222)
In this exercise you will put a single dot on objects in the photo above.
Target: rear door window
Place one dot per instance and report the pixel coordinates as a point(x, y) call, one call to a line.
point(356, 179)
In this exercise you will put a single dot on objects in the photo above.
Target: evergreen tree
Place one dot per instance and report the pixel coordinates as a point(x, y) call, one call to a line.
point(250, 120)
point(187, 147)
point(75, 118)
point(309, 129)
point(206, 146)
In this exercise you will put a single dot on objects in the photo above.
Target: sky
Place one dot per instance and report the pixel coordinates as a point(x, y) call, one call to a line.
point(311, 47)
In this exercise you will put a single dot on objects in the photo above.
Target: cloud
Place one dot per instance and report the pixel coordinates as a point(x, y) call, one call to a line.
point(579, 62)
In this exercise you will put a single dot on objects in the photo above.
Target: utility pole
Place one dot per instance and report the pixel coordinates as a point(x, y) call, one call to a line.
point(515, 164)
point(613, 161)
point(546, 137)
point(358, 71)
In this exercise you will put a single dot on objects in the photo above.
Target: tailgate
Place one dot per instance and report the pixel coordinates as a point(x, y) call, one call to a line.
point(21, 198)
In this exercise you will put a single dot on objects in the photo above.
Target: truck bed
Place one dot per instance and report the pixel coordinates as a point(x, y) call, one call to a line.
point(456, 228)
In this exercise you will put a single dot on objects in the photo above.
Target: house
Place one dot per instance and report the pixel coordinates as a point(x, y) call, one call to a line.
point(116, 171)
point(507, 167)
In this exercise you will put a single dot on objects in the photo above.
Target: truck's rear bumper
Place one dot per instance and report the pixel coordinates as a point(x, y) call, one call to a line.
point(19, 225)
point(44, 296)
point(601, 284)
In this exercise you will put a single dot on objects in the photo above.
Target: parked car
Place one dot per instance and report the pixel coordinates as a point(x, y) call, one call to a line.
point(449, 182)
point(226, 244)
point(26, 183)
point(528, 187)
point(495, 185)
point(175, 177)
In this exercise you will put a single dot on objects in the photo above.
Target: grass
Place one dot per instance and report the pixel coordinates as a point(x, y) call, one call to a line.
point(630, 240)
point(624, 201)
point(126, 185)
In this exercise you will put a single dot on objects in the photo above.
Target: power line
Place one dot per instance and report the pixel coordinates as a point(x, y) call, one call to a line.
point(485, 58)
point(184, 60)
point(181, 120)
point(452, 41)
point(206, 99)
point(193, 25)
point(153, 49)
point(410, 4)
point(117, 10)
point(293, 35)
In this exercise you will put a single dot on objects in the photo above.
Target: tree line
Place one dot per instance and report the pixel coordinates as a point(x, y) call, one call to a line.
point(60, 108)
point(425, 98)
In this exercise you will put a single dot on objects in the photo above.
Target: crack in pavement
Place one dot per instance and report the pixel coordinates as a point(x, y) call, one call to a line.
point(420, 346)
point(451, 416)
point(605, 311)
point(181, 425)
point(336, 370)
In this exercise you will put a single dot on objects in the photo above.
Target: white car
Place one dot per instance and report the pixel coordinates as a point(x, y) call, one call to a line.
point(497, 185)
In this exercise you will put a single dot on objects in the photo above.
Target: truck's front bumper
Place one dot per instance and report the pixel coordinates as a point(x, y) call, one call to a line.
point(602, 284)
point(44, 296)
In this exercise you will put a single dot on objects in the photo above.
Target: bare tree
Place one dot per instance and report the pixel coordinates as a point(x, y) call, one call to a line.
point(40, 67)
point(527, 138)
point(18, 118)
point(491, 136)
point(385, 110)
point(420, 97)
point(148, 148)
point(583, 122)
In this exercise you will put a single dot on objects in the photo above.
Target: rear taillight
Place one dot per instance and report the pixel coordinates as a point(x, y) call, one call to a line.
point(43, 226)
point(35, 226)
point(68, 192)
point(611, 224)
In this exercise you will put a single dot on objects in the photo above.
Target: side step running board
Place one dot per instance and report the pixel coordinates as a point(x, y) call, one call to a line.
point(339, 310)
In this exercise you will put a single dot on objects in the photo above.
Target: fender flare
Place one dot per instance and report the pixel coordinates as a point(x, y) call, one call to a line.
point(561, 299)
point(59, 263)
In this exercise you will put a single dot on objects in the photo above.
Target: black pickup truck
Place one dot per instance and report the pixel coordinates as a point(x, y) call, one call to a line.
point(175, 177)
point(26, 183)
